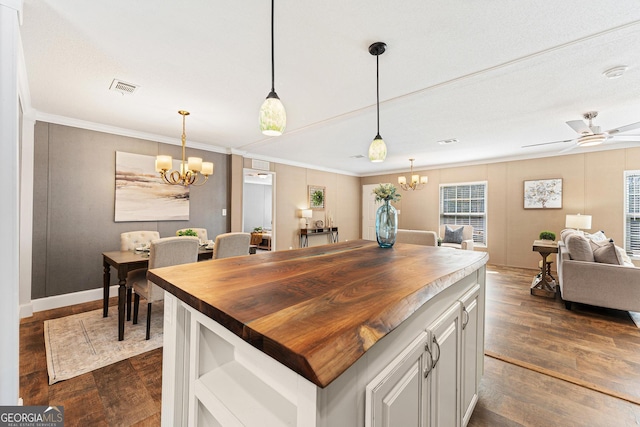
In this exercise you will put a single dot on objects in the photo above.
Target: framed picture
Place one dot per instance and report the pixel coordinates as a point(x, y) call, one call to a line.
point(317, 197)
point(142, 196)
point(543, 194)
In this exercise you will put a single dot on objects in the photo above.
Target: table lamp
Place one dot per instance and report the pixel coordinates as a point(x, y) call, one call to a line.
point(306, 214)
point(578, 221)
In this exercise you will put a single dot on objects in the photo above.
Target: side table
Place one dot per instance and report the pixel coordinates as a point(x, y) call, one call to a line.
point(544, 284)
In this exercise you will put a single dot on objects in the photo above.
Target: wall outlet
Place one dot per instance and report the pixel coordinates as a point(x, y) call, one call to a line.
point(224, 212)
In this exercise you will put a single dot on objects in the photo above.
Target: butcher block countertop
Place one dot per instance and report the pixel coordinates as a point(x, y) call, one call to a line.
point(317, 310)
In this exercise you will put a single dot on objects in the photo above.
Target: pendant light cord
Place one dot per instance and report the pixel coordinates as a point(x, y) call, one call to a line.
point(378, 93)
point(273, 70)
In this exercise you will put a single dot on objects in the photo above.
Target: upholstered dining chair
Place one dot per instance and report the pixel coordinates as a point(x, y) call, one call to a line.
point(231, 244)
point(129, 241)
point(163, 253)
point(202, 233)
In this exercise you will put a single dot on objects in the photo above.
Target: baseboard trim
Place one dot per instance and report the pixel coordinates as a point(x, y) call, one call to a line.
point(65, 300)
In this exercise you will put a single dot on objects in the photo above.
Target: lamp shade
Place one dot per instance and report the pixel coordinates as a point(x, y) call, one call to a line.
point(578, 221)
point(378, 150)
point(306, 213)
point(273, 117)
point(207, 168)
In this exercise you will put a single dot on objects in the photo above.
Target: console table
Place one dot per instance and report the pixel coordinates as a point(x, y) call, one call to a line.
point(306, 232)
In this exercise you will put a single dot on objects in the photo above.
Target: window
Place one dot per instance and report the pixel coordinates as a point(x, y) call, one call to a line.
point(632, 212)
point(465, 204)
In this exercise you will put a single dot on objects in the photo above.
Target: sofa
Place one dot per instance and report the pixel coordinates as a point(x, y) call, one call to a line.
point(456, 238)
point(596, 272)
point(417, 237)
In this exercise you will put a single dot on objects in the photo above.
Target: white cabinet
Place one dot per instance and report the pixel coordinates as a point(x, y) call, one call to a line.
point(444, 379)
point(424, 373)
point(434, 381)
point(395, 396)
point(472, 345)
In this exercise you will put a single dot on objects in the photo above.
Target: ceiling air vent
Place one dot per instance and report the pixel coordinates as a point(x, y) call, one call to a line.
point(123, 87)
point(260, 164)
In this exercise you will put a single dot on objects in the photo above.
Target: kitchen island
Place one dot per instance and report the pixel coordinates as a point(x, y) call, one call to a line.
point(347, 334)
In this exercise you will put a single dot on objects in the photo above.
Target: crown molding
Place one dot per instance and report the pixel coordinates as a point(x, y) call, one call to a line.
point(98, 127)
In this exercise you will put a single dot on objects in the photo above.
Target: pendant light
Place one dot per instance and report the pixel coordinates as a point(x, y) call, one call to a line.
point(377, 149)
point(273, 117)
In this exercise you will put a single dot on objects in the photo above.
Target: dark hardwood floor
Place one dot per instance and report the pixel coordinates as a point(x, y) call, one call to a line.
point(547, 362)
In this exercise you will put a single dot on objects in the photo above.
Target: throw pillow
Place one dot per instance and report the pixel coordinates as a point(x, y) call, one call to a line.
point(452, 236)
point(626, 261)
point(566, 232)
point(579, 248)
point(607, 254)
point(598, 236)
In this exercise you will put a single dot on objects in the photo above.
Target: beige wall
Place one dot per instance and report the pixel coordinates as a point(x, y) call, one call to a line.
point(592, 184)
point(343, 201)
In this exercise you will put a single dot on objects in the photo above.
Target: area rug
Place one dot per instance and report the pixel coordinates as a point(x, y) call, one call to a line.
point(87, 341)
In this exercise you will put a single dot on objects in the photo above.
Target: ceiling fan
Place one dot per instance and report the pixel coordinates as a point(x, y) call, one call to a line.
point(590, 135)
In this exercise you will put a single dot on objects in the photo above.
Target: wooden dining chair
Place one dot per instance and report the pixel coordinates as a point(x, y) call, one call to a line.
point(130, 241)
point(163, 253)
point(231, 244)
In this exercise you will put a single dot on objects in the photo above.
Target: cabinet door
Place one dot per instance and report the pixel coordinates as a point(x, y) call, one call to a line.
point(393, 397)
point(471, 359)
point(444, 380)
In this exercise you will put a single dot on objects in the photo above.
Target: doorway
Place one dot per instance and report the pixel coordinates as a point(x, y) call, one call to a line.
point(258, 206)
point(369, 208)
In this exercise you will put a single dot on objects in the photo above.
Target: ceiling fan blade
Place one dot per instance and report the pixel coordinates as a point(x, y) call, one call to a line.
point(569, 148)
point(631, 138)
point(580, 127)
point(545, 143)
point(624, 128)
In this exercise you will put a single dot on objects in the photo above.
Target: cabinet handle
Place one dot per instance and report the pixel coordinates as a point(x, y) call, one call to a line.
point(428, 370)
point(435, 341)
point(465, 317)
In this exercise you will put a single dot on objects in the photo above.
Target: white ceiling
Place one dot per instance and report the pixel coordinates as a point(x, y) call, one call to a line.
point(496, 75)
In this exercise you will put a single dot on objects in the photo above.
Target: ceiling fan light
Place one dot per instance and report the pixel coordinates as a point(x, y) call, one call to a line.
point(273, 117)
point(591, 140)
point(377, 150)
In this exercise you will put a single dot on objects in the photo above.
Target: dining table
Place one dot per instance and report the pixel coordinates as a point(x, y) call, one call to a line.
point(124, 262)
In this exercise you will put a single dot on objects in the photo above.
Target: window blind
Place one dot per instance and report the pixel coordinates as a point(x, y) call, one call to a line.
point(465, 204)
point(632, 212)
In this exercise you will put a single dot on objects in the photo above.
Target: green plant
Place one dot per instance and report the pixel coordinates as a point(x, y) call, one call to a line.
point(317, 198)
point(547, 235)
point(187, 232)
point(386, 192)
point(257, 229)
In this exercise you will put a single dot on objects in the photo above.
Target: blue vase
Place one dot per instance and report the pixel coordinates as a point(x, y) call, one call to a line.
point(386, 225)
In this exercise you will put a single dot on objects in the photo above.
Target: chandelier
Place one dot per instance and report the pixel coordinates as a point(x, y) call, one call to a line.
point(188, 173)
point(417, 181)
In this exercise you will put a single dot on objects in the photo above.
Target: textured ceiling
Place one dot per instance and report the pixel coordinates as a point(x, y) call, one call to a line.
point(495, 75)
